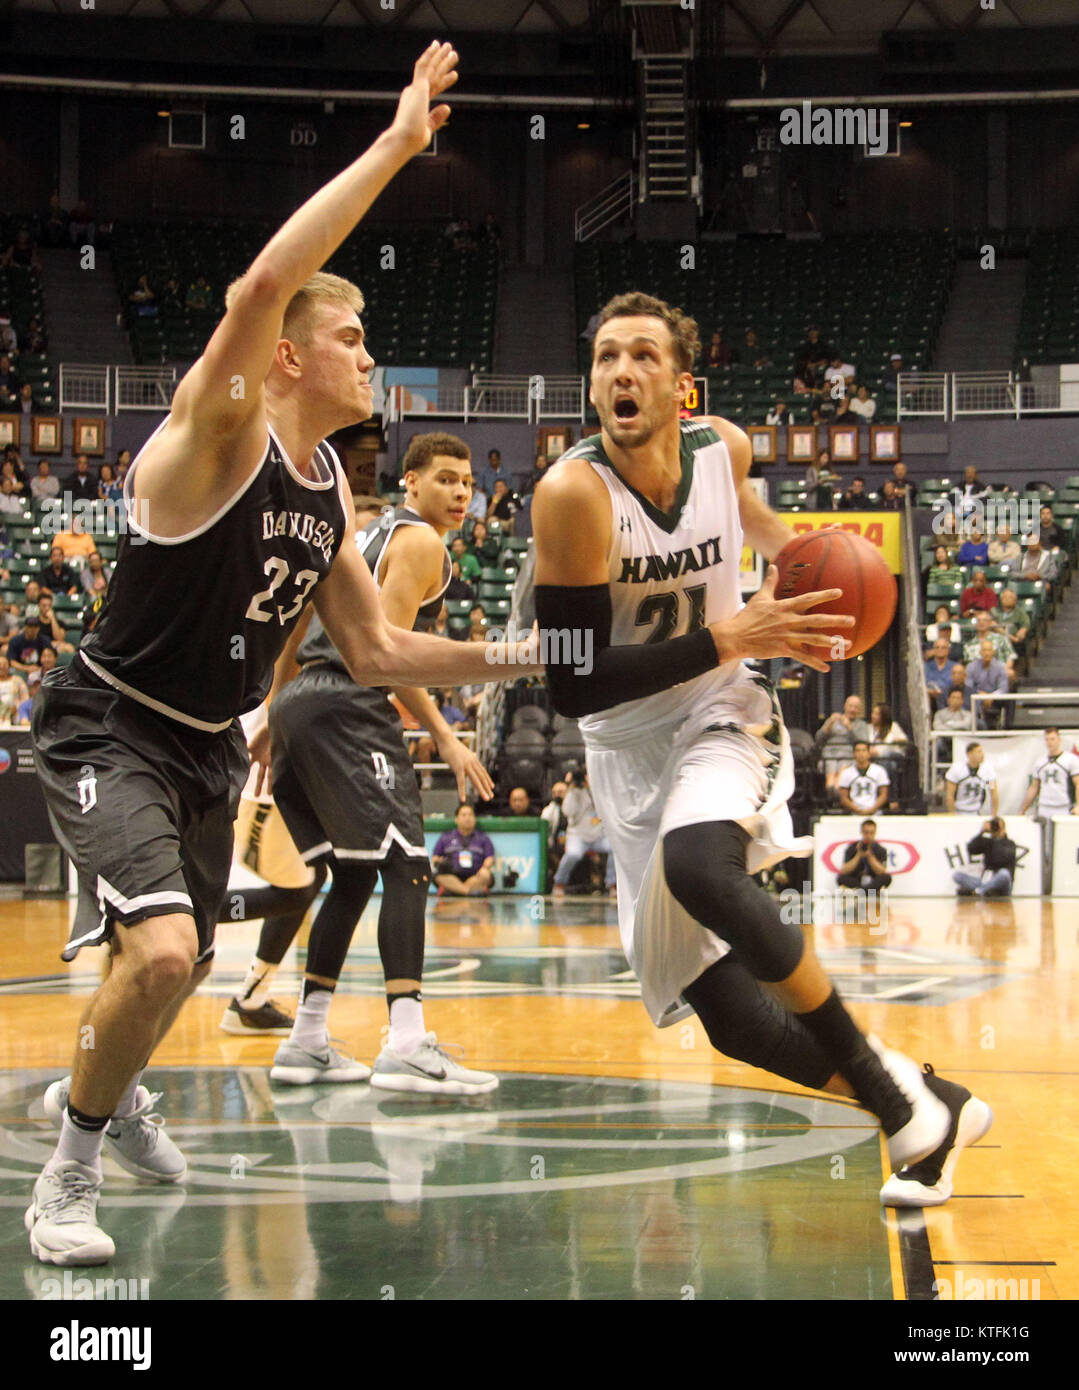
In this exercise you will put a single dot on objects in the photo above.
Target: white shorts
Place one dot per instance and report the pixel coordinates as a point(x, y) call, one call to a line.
point(683, 775)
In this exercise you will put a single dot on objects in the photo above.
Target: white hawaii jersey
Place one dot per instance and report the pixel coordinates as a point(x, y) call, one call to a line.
point(673, 574)
point(1055, 796)
point(863, 788)
point(973, 787)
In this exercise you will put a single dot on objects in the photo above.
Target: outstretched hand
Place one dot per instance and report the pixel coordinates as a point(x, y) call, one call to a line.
point(435, 72)
point(771, 627)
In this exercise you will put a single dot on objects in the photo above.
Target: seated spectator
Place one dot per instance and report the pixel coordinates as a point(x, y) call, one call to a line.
point(200, 297)
point(13, 691)
point(843, 413)
point(1038, 563)
point(883, 728)
point(753, 353)
point(25, 648)
point(464, 858)
point(997, 853)
point(556, 827)
point(81, 229)
point(440, 626)
point(11, 503)
point(485, 548)
point(855, 498)
point(35, 340)
point(986, 676)
point(865, 862)
point(123, 463)
point(718, 354)
point(59, 576)
point(54, 224)
point(469, 563)
point(9, 339)
point(491, 472)
point(779, 415)
point(50, 625)
point(82, 485)
point(944, 570)
point(1012, 620)
point(984, 630)
point(890, 500)
point(1003, 549)
point(943, 626)
point(489, 229)
point(44, 485)
point(519, 803)
point(504, 506)
point(807, 383)
point(584, 832)
point(538, 470)
point(838, 372)
point(143, 297)
point(812, 354)
point(76, 541)
point(864, 404)
point(94, 569)
point(837, 736)
point(22, 252)
point(458, 588)
point(824, 482)
point(172, 297)
point(10, 383)
point(953, 718)
point(890, 375)
point(938, 672)
point(25, 404)
point(977, 597)
point(974, 550)
point(18, 488)
point(96, 603)
point(959, 682)
point(445, 699)
point(1049, 533)
point(477, 620)
point(863, 785)
point(477, 505)
point(904, 486)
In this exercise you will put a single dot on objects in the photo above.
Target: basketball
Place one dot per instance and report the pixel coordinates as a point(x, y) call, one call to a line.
point(839, 560)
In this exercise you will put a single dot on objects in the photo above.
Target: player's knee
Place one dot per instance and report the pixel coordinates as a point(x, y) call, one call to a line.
point(705, 865)
point(157, 957)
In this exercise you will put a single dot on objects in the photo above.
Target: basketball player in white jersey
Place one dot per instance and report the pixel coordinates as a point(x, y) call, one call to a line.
point(970, 785)
point(638, 535)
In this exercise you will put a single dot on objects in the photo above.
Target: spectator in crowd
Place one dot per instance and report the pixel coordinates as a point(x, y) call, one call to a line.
point(890, 501)
point(973, 490)
point(81, 228)
point(18, 487)
point(938, 672)
point(1011, 620)
point(458, 588)
point(123, 463)
point(837, 736)
point(953, 718)
point(200, 297)
point(143, 297)
point(477, 505)
point(489, 229)
point(483, 547)
point(883, 728)
point(9, 339)
point(54, 223)
point(970, 784)
point(977, 597)
point(10, 383)
point(985, 630)
point(590, 329)
point(11, 504)
point(779, 415)
point(519, 802)
point(753, 353)
point(843, 413)
point(450, 711)
point(824, 481)
point(12, 456)
point(94, 606)
point(82, 485)
point(1003, 549)
point(59, 575)
point(25, 647)
point(50, 625)
point(477, 620)
point(491, 472)
point(108, 489)
point(890, 375)
point(904, 486)
point(719, 353)
point(865, 862)
point(94, 569)
point(997, 853)
point(986, 675)
point(812, 355)
point(949, 630)
point(584, 832)
point(974, 550)
point(837, 373)
point(538, 470)
point(959, 682)
point(22, 252)
point(855, 499)
point(172, 297)
point(13, 691)
point(504, 506)
point(464, 858)
point(556, 827)
point(469, 564)
point(1049, 533)
point(76, 541)
point(45, 485)
point(864, 405)
point(1038, 563)
point(944, 570)
point(440, 627)
point(863, 785)
point(807, 383)
point(25, 404)
point(36, 341)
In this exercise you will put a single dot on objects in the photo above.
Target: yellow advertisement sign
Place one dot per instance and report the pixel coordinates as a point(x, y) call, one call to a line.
point(881, 530)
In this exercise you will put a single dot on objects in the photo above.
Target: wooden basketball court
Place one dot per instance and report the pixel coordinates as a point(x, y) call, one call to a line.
point(615, 1161)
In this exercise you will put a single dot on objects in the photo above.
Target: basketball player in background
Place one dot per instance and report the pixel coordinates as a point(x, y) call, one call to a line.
point(242, 517)
point(638, 534)
point(347, 790)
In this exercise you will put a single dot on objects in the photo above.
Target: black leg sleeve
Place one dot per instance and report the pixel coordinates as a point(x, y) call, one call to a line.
point(331, 934)
point(401, 920)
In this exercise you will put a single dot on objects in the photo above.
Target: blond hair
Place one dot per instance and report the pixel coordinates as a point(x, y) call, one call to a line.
point(321, 288)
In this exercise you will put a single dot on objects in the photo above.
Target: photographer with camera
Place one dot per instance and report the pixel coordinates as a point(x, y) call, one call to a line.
point(998, 856)
point(584, 831)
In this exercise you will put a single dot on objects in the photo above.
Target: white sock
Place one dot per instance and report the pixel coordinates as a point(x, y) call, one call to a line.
point(407, 1028)
point(126, 1104)
point(82, 1145)
point(311, 1029)
point(255, 989)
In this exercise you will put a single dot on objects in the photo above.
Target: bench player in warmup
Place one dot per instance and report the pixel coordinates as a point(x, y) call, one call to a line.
point(638, 535)
point(248, 518)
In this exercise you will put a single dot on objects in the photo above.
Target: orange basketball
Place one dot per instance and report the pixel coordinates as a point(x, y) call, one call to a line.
point(840, 560)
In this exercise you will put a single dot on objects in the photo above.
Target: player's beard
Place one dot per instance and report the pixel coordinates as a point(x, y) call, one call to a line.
point(633, 439)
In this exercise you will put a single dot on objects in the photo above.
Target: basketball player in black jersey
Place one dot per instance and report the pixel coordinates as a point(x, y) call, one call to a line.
point(240, 516)
point(344, 784)
point(767, 1001)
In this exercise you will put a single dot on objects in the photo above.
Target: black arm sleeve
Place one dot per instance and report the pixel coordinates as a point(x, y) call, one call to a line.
point(607, 675)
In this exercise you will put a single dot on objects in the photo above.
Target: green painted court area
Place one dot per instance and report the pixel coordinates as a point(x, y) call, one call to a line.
point(552, 1187)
